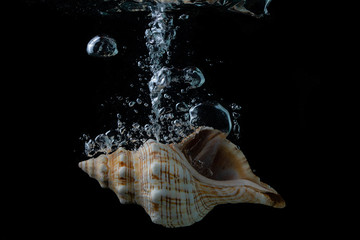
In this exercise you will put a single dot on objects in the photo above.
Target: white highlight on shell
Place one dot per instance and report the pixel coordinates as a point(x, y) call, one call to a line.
point(156, 169)
point(122, 172)
point(156, 195)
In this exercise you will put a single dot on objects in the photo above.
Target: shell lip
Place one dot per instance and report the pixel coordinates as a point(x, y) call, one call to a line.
point(227, 164)
point(276, 199)
point(213, 156)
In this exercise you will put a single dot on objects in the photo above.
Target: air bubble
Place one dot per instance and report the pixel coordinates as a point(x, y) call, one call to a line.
point(103, 142)
point(102, 46)
point(165, 110)
point(194, 77)
point(90, 148)
point(235, 115)
point(181, 107)
point(131, 103)
point(183, 17)
point(177, 123)
point(136, 126)
point(235, 107)
point(211, 114)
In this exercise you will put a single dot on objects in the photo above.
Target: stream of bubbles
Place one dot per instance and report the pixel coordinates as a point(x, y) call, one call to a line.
point(174, 112)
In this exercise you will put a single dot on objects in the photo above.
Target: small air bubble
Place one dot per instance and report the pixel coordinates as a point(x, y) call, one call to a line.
point(235, 107)
point(177, 123)
point(181, 107)
point(136, 126)
point(235, 115)
point(131, 103)
point(194, 77)
point(183, 17)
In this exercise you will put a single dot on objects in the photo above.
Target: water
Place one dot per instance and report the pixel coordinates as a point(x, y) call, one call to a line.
point(165, 108)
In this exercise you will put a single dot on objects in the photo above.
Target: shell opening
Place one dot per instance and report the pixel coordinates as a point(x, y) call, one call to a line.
point(214, 157)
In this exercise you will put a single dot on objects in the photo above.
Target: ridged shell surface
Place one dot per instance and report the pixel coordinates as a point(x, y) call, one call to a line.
point(164, 181)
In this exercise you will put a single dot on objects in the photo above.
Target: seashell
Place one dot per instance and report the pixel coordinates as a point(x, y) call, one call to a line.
point(178, 184)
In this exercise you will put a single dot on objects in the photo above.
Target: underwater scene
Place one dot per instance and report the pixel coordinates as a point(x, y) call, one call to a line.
point(194, 113)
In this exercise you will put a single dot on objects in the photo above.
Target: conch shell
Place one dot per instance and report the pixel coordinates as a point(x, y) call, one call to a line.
point(178, 184)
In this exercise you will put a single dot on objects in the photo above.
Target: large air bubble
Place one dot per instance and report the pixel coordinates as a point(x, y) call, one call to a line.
point(211, 114)
point(102, 46)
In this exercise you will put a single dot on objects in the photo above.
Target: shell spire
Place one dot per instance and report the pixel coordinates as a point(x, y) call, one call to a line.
point(178, 184)
point(97, 168)
point(114, 171)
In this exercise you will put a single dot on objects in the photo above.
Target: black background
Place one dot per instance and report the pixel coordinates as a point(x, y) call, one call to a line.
point(272, 67)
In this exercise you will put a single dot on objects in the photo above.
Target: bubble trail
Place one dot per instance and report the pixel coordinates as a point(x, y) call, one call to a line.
point(175, 104)
point(158, 36)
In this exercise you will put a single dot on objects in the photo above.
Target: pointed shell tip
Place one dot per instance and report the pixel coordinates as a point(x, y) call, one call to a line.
point(82, 165)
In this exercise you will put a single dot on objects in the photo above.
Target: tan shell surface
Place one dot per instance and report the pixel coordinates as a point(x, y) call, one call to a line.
point(162, 180)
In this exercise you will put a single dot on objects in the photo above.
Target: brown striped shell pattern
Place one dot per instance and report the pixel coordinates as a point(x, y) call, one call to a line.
point(178, 184)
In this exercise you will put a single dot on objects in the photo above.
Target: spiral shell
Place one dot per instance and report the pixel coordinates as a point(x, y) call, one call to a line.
point(178, 184)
